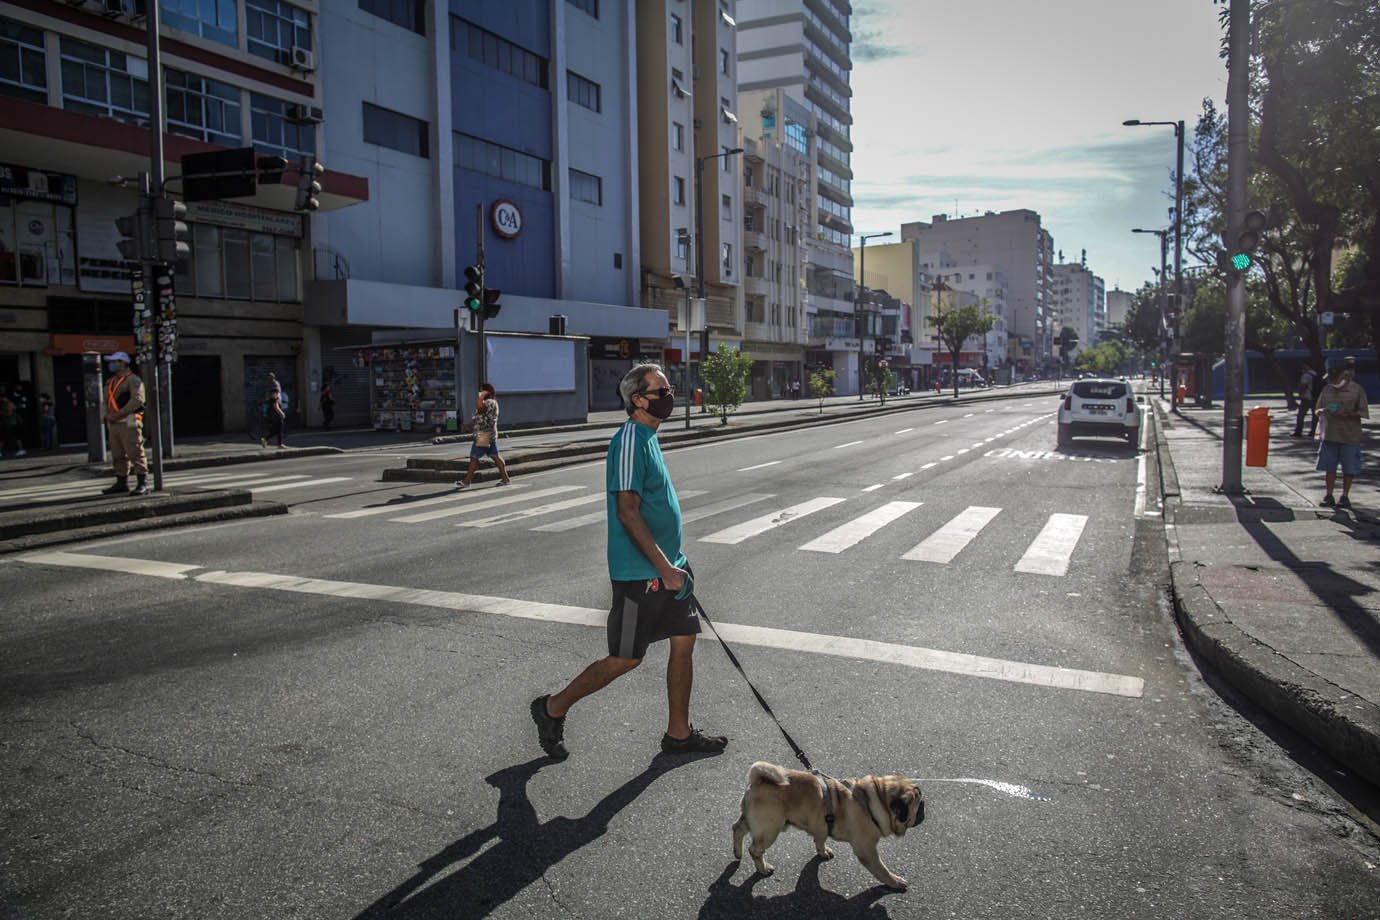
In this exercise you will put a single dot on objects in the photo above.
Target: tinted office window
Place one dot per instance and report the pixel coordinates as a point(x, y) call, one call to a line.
point(396, 130)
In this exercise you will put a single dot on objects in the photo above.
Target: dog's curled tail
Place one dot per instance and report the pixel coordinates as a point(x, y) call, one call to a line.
point(763, 772)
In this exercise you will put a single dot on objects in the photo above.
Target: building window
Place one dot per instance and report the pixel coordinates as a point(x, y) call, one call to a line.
point(97, 81)
point(585, 187)
point(23, 67)
point(410, 14)
point(501, 162)
point(589, 6)
point(582, 92)
point(727, 160)
point(241, 265)
point(682, 243)
point(727, 207)
point(276, 130)
point(396, 130)
point(273, 28)
point(677, 136)
point(726, 250)
point(213, 19)
point(498, 53)
point(202, 108)
point(678, 190)
point(677, 30)
point(724, 59)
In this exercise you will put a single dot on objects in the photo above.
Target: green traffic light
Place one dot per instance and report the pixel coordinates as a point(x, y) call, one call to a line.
point(1241, 261)
point(473, 304)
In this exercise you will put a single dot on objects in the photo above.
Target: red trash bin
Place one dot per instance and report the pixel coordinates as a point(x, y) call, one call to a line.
point(1257, 436)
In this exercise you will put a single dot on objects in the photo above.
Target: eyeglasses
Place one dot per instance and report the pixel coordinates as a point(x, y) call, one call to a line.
point(659, 392)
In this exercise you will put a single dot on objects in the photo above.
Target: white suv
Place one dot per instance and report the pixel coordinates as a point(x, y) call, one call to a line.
point(1100, 407)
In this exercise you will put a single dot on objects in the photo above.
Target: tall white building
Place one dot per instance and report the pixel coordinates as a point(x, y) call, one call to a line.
point(1012, 242)
point(1118, 305)
point(802, 48)
point(1080, 299)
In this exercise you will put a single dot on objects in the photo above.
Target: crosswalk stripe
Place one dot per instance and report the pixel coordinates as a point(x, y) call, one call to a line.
point(243, 483)
point(479, 506)
point(419, 503)
point(524, 513)
point(873, 488)
point(1052, 549)
point(859, 529)
point(729, 504)
point(598, 517)
point(304, 485)
point(740, 532)
point(948, 541)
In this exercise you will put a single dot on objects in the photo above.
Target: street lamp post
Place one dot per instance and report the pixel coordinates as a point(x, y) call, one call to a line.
point(1164, 316)
point(1178, 127)
point(699, 265)
point(857, 299)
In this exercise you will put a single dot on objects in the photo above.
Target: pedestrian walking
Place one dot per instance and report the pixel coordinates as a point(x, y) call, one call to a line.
point(47, 421)
point(11, 428)
point(327, 407)
point(271, 411)
point(1342, 403)
point(1308, 382)
point(123, 414)
point(484, 424)
point(647, 570)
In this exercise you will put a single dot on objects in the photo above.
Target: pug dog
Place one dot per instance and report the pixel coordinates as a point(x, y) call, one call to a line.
point(865, 810)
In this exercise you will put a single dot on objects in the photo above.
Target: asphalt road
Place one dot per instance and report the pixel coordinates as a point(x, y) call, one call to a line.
point(325, 714)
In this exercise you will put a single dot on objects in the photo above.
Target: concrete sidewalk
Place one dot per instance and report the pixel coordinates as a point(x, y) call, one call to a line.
point(1278, 594)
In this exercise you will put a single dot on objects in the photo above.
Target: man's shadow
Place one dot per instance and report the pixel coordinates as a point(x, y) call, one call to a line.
point(523, 849)
point(809, 899)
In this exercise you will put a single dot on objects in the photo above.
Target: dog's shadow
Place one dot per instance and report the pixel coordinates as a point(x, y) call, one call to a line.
point(809, 899)
point(524, 847)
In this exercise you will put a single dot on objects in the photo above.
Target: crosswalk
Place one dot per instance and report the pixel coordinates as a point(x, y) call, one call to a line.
point(258, 481)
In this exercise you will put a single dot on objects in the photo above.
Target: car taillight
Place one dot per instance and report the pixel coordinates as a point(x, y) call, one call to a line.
point(1068, 401)
point(1130, 405)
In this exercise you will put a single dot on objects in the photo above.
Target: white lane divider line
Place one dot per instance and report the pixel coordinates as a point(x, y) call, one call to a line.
point(903, 476)
point(760, 466)
point(395, 507)
point(941, 421)
point(312, 483)
point(904, 430)
point(1052, 549)
point(948, 541)
point(598, 517)
point(909, 656)
point(849, 444)
point(946, 459)
point(482, 505)
point(970, 415)
point(928, 465)
point(859, 529)
point(874, 488)
point(757, 526)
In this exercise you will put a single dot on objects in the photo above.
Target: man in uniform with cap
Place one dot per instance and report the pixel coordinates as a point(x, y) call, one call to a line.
point(123, 414)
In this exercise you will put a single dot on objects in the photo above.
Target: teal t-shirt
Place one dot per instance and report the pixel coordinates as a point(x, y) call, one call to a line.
point(635, 465)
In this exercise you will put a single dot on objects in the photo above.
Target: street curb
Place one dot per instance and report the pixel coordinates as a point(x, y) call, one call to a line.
point(119, 528)
point(1306, 702)
point(1343, 725)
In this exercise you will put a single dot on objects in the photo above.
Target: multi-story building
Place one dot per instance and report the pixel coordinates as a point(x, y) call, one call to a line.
point(514, 124)
point(1015, 243)
point(686, 74)
point(775, 209)
point(801, 47)
point(74, 114)
point(895, 268)
point(1079, 297)
point(1118, 305)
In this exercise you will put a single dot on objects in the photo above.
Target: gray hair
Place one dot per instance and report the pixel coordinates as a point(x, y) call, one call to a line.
point(632, 382)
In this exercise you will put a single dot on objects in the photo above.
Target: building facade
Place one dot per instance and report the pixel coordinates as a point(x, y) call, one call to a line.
point(1080, 298)
point(1015, 243)
point(1118, 306)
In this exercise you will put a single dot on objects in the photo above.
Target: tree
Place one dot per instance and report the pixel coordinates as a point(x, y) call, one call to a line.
point(725, 374)
point(1104, 358)
point(821, 385)
point(1068, 341)
point(954, 328)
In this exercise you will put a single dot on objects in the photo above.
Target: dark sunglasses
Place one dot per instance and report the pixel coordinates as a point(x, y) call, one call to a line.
point(659, 392)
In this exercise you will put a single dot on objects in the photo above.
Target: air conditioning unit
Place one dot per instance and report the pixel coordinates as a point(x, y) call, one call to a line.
point(305, 114)
point(303, 59)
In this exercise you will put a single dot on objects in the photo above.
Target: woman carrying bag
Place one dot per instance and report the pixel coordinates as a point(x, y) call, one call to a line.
point(484, 424)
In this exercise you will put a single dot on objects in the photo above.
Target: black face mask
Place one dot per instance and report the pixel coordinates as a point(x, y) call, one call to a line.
point(661, 407)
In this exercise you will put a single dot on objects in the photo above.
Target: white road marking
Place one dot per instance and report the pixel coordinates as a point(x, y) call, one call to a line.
point(903, 476)
point(948, 541)
point(859, 529)
point(240, 484)
point(970, 415)
point(1052, 549)
point(813, 643)
point(874, 488)
point(394, 508)
point(849, 444)
point(941, 421)
point(304, 485)
point(759, 466)
point(1140, 511)
point(757, 526)
point(946, 459)
point(904, 430)
point(930, 464)
point(728, 504)
point(524, 513)
point(964, 450)
point(482, 505)
point(598, 517)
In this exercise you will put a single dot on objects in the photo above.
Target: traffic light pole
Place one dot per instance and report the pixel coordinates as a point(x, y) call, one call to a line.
point(479, 246)
point(1237, 165)
point(152, 190)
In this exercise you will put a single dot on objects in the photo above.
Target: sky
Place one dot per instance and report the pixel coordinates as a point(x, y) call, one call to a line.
point(992, 105)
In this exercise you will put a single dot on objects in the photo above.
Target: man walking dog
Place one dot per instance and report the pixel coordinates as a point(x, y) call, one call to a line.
point(647, 569)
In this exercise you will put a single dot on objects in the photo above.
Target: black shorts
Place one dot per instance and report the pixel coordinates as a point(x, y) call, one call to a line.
point(644, 612)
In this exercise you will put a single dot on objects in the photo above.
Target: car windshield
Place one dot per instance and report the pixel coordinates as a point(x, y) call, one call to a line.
point(1099, 389)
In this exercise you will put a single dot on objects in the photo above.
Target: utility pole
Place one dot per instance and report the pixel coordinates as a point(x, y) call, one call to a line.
point(1238, 124)
point(149, 191)
point(1178, 252)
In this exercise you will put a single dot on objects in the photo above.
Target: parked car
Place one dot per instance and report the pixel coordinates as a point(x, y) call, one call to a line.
point(1100, 407)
